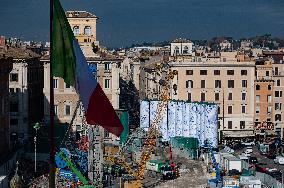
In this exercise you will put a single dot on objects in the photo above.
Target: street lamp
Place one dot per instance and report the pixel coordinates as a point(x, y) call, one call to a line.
point(37, 126)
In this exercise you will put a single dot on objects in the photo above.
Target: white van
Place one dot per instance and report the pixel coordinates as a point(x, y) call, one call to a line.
point(249, 149)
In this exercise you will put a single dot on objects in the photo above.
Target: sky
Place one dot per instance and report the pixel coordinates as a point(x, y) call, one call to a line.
point(124, 22)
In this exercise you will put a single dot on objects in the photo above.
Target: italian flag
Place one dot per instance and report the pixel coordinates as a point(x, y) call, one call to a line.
point(69, 63)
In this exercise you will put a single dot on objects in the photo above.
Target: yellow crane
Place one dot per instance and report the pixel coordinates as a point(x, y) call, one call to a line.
point(151, 137)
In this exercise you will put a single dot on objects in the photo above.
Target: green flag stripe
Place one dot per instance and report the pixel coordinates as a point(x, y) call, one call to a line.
point(63, 57)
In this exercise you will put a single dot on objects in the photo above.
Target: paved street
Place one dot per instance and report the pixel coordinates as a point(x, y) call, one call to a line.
point(267, 163)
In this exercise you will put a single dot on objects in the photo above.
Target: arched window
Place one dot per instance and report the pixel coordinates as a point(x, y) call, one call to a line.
point(176, 50)
point(88, 31)
point(185, 50)
point(278, 117)
point(257, 87)
point(76, 30)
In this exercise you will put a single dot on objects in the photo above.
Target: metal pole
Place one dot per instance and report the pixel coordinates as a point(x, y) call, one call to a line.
point(51, 128)
point(282, 179)
point(35, 148)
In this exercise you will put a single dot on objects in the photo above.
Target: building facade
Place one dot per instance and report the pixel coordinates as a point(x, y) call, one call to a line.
point(278, 108)
point(26, 96)
point(5, 68)
point(84, 27)
point(228, 84)
point(264, 100)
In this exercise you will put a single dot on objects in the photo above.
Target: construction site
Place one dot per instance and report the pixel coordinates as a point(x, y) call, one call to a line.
point(163, 152)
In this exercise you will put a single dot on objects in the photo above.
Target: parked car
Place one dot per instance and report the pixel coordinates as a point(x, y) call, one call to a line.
point(259, 167)
point(249, 143)
point(279, 160)
point(275, 174)
point(271, 155)
point(253, 160)
point(249, 149)
point(246, 154)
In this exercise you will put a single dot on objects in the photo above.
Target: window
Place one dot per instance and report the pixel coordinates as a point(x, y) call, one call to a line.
point(257, 87)
point(14, 77)
point(217, 97)
point(219, 111)
point(217, 83)
point(230, 96)
point(230, 83)
point(269, 87)
point(216, 72)
point(230, 109)
point(203, 72)
point(230, 72)
point(242, 124)
point(106, 133)
point(269, 109)
point(244, 83)
point(278, 93)
point(219, 124)
point(185, 50)
point(244, 96)
point(67, 86)
point(276, 71)
point(269, 98)
point(202, 83)
point(268, 119)
point(13, 121)
point(176, 50)
point(107, 86)
point(243, 109)
point(202, 96)
point(67, 110)
point(257, 109)
point(88, 31)
point(244, 72)
point(107, 66)
point(278, 106)
point(55, 109)
point(230, 124)
point(11, 90)
point(189, 96)
point(14, 107)
point(278, 83)
point(257, 98)
point(55, 83)
point(189, 84)
point(267, 73)
point(76, 30)
point(189, 72)
point(278, 117)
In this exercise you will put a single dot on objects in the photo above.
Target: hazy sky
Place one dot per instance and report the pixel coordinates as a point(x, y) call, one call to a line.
point(123, 22)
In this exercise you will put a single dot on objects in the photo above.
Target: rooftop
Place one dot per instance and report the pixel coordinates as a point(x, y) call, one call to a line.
point(79, 14)
point(180, 40)
point(17, 53)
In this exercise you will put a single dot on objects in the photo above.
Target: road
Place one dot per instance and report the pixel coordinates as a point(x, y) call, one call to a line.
point(269, 163)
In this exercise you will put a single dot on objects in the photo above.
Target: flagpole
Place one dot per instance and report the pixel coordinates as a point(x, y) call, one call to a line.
point(51, 128)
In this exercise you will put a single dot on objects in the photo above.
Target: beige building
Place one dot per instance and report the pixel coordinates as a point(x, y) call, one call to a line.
point(278, 108)
point(84, 26)
point(229, 84)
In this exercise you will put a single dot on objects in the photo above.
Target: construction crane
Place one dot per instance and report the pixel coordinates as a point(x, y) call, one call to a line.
point(152, 135)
